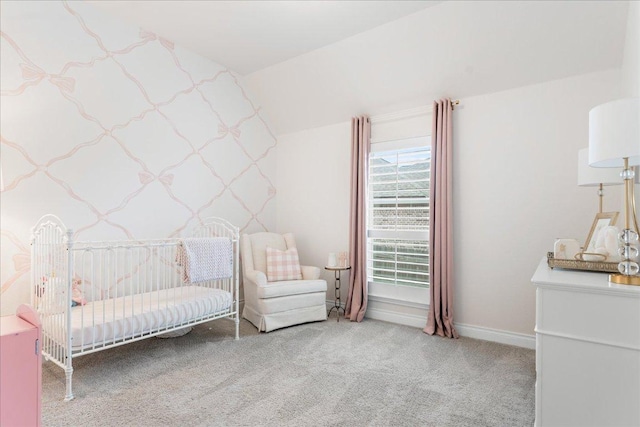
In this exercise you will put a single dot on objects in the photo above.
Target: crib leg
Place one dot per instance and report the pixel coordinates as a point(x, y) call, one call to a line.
point(237, 320)
point(68, 372)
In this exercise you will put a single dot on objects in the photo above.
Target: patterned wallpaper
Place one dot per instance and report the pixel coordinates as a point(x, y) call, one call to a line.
point(120, 133)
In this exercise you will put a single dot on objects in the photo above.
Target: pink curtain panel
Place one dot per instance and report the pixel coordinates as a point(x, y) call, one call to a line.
point(440, 318)
point(360, 147)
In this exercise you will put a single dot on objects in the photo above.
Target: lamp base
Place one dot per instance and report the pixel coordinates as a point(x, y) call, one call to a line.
point(621, 279)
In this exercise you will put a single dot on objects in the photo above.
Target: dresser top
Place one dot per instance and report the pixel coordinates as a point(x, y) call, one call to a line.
point(10, 325)
point(579, 281)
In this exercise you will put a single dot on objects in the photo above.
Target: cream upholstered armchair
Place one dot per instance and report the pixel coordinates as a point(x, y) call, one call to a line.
point(278, 304)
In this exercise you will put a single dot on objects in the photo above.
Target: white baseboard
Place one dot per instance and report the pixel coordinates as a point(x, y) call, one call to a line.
point(496, 335)
point(396, 317)
point(470, 331)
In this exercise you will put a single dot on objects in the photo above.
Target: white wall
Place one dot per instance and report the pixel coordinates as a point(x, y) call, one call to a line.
point(313, 193)
point(515, 191)
point(631, 58)
point(120, 133)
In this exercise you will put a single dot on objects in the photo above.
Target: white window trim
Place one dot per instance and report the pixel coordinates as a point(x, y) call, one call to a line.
point(401, 295)
point(415, 142)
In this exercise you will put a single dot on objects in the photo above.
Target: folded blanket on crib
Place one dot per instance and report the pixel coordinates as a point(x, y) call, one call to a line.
point(204, 259)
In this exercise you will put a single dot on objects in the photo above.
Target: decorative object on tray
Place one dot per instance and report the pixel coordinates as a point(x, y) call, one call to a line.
point(574, 264)
point(614, 142)
point(566, 249)
point(595, 240)
point(599, 255)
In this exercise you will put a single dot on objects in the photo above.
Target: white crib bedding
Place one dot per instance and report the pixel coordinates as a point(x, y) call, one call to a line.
point(114, 319)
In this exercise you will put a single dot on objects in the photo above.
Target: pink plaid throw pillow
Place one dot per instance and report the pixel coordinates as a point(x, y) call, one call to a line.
point(283, 265)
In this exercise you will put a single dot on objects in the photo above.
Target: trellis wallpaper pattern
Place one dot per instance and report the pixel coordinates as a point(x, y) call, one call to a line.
point(120, 133)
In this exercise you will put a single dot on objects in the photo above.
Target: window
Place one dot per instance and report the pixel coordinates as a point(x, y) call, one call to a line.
point(398, 215)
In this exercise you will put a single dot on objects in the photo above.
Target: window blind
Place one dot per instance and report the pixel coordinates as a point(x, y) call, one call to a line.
point(398, 216)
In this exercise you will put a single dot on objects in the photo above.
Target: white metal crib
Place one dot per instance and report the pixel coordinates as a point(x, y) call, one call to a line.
point(92, 296)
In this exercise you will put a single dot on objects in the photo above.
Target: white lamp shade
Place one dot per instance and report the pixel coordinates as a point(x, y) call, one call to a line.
point(589, 176)
point(614, 133)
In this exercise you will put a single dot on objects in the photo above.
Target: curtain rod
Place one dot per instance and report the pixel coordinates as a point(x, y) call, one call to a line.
point(404, 114)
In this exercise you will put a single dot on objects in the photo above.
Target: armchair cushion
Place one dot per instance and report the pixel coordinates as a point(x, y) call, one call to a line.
point(291, 287)
point(283, 265)
point(256, 246)
point(310, 272)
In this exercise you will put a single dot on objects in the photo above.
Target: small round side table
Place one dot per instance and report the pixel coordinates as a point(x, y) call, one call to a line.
point(336, 305)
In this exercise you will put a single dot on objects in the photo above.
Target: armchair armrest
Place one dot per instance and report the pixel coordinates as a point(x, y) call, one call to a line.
point(310, 272)
point(256, 277)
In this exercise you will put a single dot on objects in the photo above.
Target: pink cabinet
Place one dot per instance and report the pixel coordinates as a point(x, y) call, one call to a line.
point(20, 369)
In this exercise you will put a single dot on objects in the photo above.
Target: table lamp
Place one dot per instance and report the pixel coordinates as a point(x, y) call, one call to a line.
point(614, 142)
point(595, 177)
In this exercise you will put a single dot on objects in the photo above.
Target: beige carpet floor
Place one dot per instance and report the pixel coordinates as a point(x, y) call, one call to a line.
point(319, 374)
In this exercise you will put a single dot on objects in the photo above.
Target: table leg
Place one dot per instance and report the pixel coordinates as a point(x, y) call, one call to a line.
point(336, 305)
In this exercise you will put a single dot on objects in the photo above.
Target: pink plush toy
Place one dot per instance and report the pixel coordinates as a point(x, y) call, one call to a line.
point(76, 293)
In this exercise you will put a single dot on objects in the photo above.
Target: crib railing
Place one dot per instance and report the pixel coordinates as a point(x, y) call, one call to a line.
point(116, 269)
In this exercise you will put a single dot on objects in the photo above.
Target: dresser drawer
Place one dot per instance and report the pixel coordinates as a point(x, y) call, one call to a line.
point(594, 317)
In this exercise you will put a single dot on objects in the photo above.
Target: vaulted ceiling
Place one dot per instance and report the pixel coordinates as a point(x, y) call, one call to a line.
point(247, 36)
point(313, 63)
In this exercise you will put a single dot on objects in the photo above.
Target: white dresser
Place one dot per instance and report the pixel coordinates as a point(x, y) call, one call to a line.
point(587, 350)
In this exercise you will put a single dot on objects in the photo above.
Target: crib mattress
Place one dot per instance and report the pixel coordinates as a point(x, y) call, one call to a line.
point(103, 322)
